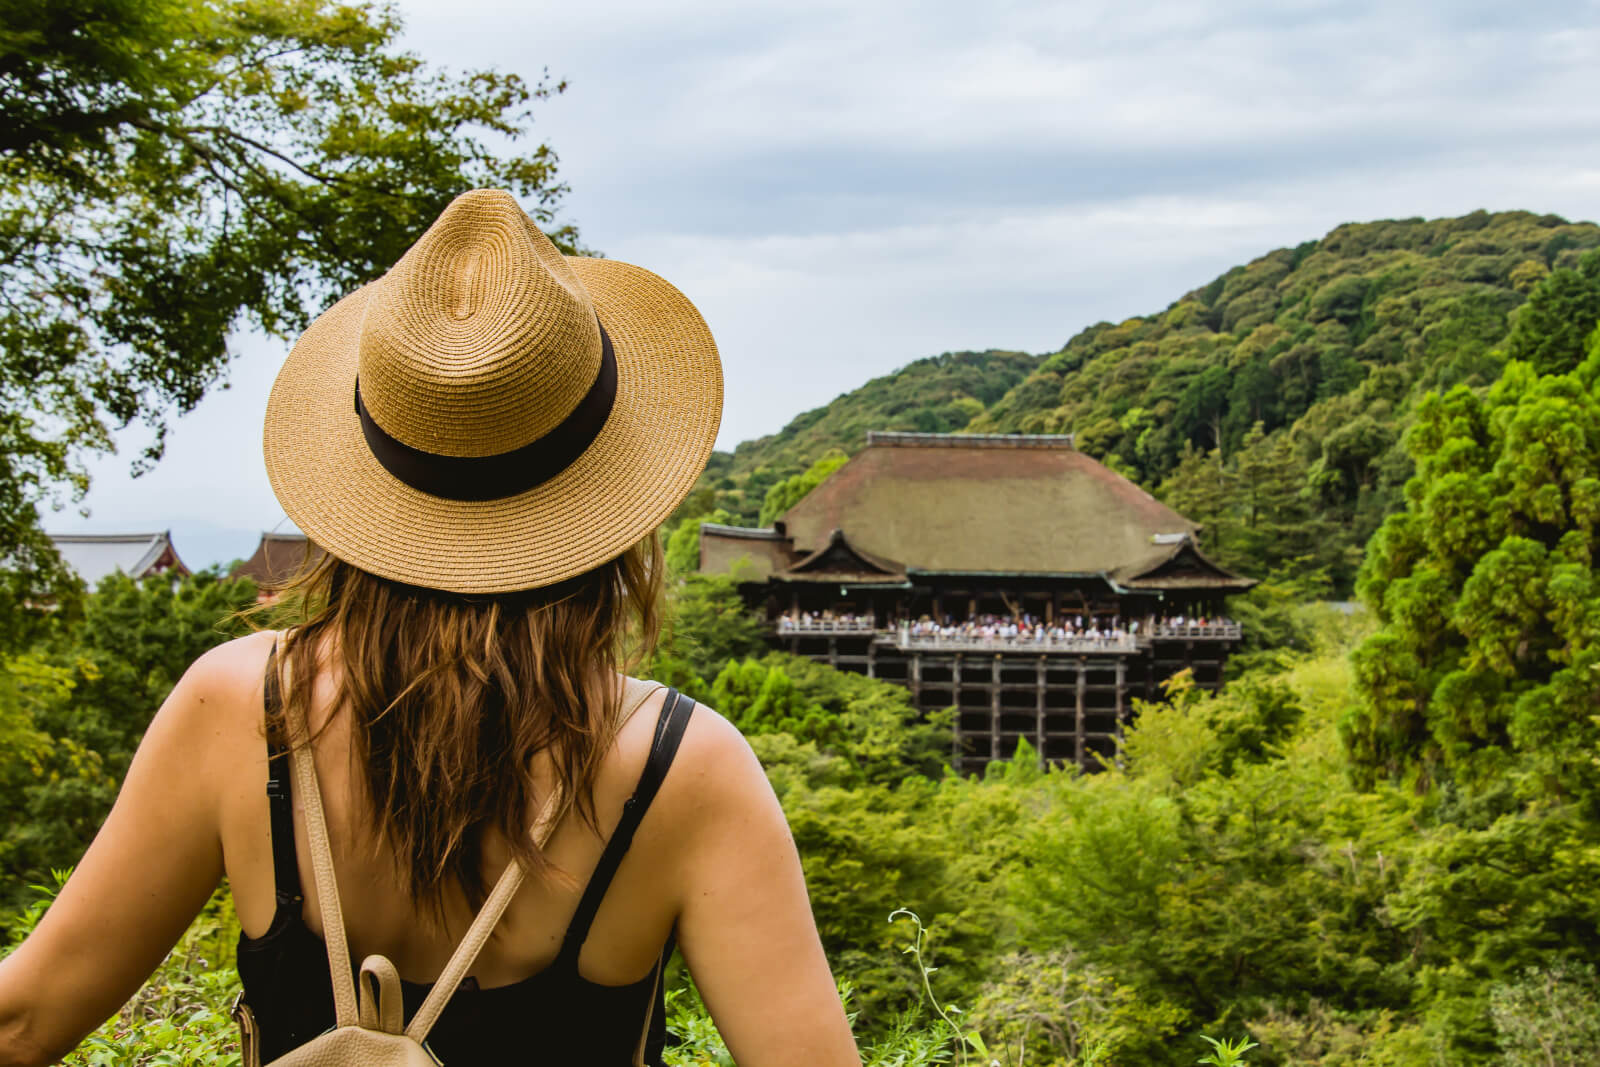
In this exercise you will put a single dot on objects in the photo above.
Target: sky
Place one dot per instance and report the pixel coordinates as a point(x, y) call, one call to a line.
point(845, 187)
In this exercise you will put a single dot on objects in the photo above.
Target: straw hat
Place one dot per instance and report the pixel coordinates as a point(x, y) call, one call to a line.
point(491, 415)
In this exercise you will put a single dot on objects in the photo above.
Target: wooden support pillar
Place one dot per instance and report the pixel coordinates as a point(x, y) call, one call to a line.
point(1083, 682)
point(833, 651)
point(994, 708)
point(914, 680)
point(872, 658)
point(1122, 683)
point(1038, 709)
point(955, 698)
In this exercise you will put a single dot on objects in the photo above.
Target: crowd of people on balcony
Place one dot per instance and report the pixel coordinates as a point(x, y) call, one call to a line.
point(824, 620)
point(1017, 629)
point(1098, 629)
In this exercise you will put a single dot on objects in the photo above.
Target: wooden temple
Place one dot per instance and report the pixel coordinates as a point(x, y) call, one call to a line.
point(93, 557)
point(277, 559)
point(886, 567)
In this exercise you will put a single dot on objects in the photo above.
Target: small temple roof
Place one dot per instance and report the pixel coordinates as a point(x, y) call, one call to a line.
point(986, 504)
point(840, 561)
point(94, 556)
point(277, 557)
point(1179, 564)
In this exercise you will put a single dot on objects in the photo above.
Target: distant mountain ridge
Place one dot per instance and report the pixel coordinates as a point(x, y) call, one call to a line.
point(1269, 403)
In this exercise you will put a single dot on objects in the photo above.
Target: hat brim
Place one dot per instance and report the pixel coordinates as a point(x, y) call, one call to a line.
point(639, 468)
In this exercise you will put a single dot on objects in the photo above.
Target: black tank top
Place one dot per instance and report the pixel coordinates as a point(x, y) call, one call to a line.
point(553, 1016)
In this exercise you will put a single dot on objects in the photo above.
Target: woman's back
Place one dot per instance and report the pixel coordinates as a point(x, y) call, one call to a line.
point(629, 929)
point(522, 423)
point(514, 991)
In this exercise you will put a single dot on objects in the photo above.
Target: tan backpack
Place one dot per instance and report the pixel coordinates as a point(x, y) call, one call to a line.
point(369, 1029)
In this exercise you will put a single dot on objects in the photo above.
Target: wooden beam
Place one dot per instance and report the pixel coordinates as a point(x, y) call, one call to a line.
point(1082, 681)
point(955, 698)
point(1038, 712)
point(994, 708)
point(1122, 714)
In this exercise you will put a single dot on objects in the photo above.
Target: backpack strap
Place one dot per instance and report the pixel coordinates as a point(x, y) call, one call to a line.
point(305, 768)
point(634, 693)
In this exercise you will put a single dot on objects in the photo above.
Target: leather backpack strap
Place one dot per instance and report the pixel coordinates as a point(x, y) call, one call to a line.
point(634, 694)
point(345, 1012)
point(482, 926)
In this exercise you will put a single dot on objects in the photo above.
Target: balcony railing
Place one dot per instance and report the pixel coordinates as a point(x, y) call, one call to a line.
point(826, 626)
point(1211, 631)
point(898, 637)
point(1125, 643)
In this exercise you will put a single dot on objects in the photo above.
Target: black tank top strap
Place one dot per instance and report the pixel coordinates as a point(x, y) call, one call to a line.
point(285, 868)
point(674, 719)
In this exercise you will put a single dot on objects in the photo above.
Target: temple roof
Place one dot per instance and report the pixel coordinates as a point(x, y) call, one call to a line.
point(840, 561)
point(94, 556)
point(985, 504)
point(277, 557)
point(1179, 564)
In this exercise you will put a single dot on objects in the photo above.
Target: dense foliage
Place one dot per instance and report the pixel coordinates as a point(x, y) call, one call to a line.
point(1481, 687)
point(171, 170)
point(74, 705)
point(1231, 878)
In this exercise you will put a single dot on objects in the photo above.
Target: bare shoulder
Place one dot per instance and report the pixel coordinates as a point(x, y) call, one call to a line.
point(712, 744)
point(224, 681)
point(716, 779)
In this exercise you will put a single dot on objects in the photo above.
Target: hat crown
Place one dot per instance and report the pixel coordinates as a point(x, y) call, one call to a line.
point(481, 339)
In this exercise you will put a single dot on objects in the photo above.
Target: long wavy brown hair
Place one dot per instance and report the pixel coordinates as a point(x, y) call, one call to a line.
point(450, 698)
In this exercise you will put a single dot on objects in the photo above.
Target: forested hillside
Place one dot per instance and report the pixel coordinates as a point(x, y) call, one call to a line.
point(1269, 404)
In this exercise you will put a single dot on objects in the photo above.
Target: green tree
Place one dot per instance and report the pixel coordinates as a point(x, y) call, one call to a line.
point(1485, 665)
point(708, 624)
point(1553, 326)
point(1480, 687)
point(89, 694)
point(1203, 406)
point(1202, 488)
point(683, 544)
point(850, 729)
point(177, 169)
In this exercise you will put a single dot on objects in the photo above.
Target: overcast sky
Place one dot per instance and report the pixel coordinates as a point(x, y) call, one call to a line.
point(843, 187)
